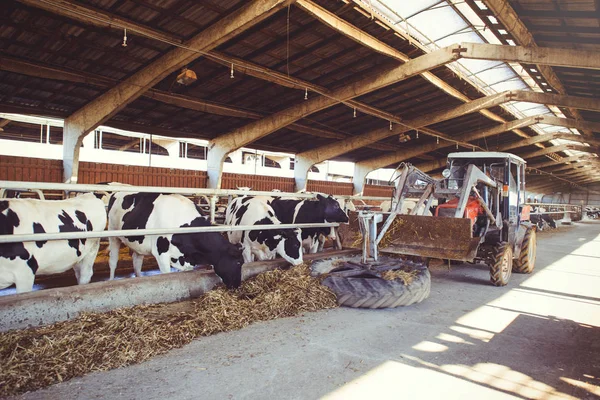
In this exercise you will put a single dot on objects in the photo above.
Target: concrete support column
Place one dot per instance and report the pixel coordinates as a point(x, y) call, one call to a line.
point(72, 141)
point(359, 178)
point(215, 158)
point(302, 166)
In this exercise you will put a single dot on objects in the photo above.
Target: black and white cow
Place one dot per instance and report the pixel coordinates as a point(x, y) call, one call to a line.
point(20, 262)
point(542, 220)
point(322, 210)
point(180, 251)
point(262, 244)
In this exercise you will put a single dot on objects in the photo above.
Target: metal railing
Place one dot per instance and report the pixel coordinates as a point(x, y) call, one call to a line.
point(70, 187)
point(554, 208)
point(213, 193)
point(35, 237)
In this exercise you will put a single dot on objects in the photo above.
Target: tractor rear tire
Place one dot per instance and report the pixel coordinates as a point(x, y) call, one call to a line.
point(501, 264)
point(526, 261)
point(363, 289)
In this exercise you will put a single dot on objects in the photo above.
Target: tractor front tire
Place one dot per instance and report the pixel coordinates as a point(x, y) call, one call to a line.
point(526, 261)
point(501, 264)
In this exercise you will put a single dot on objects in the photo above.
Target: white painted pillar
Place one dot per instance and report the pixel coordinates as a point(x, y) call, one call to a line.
point(72, 141)
point(360, 175)
point(301, 167)
point(215, 158)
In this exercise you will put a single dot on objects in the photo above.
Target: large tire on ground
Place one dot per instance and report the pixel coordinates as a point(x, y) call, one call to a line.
point(526, 261)
point(364, 289)
point(501, 264)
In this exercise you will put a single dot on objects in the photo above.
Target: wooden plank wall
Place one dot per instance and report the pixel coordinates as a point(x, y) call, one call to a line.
point(339, 188)
point(140, 176)
point(257, 182)
point(378, 190)
point(30, 169)
point(41, 170)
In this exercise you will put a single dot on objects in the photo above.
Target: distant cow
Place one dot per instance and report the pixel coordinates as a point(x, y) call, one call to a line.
point(181, 251)
point(20, 262)
point(322, 210)
point(262, 244)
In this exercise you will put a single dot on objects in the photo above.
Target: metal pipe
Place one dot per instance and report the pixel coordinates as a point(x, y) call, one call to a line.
point(37, 237)
point(159, 189)
point(213, 208)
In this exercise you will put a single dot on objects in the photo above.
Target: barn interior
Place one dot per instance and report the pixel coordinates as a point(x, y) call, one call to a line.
point(266, 84)
point(378, 85)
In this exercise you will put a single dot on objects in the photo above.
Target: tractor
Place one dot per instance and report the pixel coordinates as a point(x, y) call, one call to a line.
point(479, 215)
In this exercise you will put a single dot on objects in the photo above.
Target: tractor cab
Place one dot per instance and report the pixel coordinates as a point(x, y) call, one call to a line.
point(506, 170)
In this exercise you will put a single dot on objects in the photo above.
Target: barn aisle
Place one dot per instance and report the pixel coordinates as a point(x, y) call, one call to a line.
point(535, 338)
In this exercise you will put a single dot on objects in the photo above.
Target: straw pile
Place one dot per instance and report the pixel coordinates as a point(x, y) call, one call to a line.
point(405, 276)
point(34, 358)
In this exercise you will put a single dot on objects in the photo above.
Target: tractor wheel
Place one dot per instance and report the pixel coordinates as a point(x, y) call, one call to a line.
point(526, 262)
point(501, 264)
point(364, 289)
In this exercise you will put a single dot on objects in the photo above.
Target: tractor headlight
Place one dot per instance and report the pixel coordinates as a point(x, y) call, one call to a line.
point(446, 173)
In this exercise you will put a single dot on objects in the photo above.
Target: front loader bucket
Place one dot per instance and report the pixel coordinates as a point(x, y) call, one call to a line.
point(424, 236)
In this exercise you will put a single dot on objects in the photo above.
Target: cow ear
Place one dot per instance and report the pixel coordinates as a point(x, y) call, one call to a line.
point(320, 197)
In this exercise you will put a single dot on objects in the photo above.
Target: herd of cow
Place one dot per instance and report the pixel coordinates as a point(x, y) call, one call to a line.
point(21, 262)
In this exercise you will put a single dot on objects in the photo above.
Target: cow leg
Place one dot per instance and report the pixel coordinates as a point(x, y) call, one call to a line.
point(138, 260)
point(114, 245)
point(247, 254)
point(84, 269)
point(315, 245)
point(24, 278)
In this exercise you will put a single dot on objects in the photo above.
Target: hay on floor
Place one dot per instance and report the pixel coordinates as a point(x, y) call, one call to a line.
point(405, 276)
point(35, 358)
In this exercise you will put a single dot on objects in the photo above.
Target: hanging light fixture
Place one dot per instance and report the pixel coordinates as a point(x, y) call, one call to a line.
point(186, 77)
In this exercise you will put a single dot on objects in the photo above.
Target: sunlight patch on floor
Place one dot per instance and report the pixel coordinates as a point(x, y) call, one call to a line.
point(395, 380)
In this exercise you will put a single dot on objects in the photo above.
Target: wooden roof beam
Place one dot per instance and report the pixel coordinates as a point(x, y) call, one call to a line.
point(333, 150)
point(564, 167)
point(562, 161)
point(48, 72)
point(503, 10)
point(441, 162)
point(538, 55)
point(556, 149)
point(104, 107)
point(362, 168)
point(224, 144)
point(97, 17)
point(363, 38)
point(90, 15)
point(306, 159)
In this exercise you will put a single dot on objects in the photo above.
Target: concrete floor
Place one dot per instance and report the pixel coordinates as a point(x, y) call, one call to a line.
point(537, 338)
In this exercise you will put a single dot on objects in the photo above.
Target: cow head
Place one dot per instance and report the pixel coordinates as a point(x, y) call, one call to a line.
point(289, 245)
point(229, 266)
point(331, 209)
